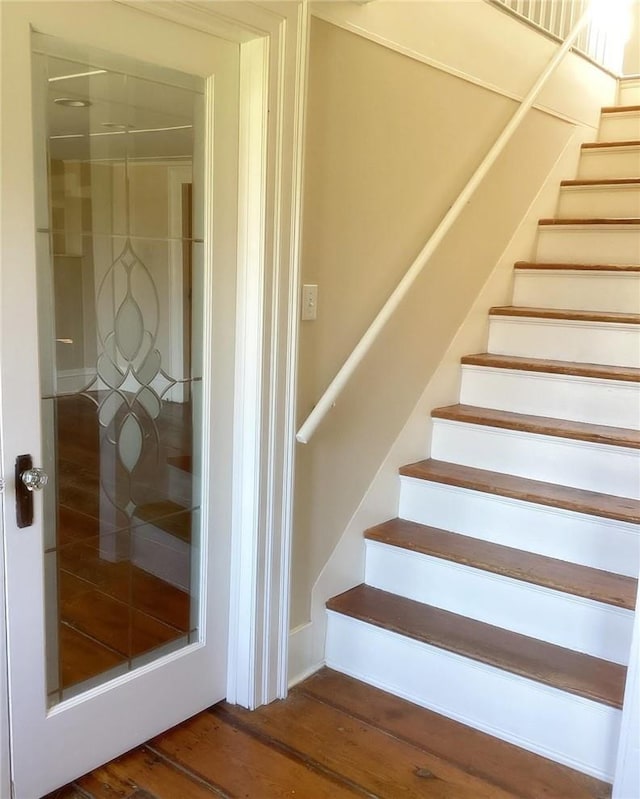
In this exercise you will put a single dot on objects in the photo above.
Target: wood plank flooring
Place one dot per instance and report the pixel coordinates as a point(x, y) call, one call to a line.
point(333, 737)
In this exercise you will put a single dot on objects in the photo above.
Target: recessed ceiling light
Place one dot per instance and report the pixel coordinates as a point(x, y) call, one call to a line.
point(72, 102)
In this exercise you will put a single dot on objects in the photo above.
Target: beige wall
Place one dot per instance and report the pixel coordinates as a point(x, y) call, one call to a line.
point(391, 140)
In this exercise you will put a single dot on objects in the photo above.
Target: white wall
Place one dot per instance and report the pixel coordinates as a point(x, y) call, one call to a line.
point(631, 63)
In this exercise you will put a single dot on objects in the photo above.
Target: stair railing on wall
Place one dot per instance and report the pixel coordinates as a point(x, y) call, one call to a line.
point(328, 399)
point(602, 40)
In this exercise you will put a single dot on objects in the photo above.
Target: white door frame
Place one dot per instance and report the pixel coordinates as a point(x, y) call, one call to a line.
point(273, 41)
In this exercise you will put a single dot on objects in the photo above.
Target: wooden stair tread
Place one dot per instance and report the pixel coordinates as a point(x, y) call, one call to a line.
point(602, 182)
point(524, 774)
point(566, 313)
point(605, 145)
point(559, 575)
point(540, 425)
point(521, 488)
point(544, 266)
point(605, 220)
point(624, 373)
point(620, 109)
point(168, 516)
point(564, 669)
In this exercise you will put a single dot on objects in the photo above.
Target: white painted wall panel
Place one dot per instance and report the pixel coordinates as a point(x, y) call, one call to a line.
point(579, 464)
point(576, 537)
point(589, 202)
point(573, 622)
point(580, 399)
point(583, 291)
point(629, 92)
point(621, 126)
point(609, 162)
point(589, 244)
point(564, 340)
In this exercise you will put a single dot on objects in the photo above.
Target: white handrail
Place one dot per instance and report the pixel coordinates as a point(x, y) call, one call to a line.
point(328, 399)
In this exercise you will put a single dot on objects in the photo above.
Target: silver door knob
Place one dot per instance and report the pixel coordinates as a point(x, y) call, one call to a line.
point(34, 479)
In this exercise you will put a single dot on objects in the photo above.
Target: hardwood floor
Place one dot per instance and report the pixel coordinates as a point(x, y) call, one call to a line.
point(333, 737)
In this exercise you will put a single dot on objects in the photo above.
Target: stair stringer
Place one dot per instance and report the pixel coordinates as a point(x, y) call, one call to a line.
point(345, 566)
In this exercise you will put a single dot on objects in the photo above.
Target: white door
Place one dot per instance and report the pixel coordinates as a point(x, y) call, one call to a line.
point(119, 149)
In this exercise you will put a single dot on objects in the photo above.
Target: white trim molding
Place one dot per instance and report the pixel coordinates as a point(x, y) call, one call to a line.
point(301, 660)
point(627, 775)
point(273, 83)
point(273, 40)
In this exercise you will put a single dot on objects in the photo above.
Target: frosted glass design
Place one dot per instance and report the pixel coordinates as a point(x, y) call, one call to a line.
point(130, 366)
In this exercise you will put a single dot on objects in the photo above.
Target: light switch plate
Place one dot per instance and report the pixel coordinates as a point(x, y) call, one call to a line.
point(309, 302)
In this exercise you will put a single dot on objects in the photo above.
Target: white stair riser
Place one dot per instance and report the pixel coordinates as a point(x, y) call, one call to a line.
point(609, 162)
point(565, 340)
point(579, 464)
point(588, 244)
point(597, 202)
point(573, 622)
point(566, 728)
point(579, 399)
point(580, 291)
point(620, 126)
point(180, 487)
point(629, 92)
point(575, 537)
point(161, 554)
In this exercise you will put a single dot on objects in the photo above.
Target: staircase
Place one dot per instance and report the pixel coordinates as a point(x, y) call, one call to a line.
point(503, 596)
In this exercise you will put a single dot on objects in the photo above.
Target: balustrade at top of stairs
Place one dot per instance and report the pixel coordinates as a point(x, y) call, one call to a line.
point(503, 596)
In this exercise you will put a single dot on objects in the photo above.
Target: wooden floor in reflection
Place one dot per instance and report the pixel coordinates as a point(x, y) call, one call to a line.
point(98, 632)
point(121, 595)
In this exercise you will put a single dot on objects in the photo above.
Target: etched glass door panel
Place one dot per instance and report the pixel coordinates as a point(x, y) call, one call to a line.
point(120, 244)
point(117, 318)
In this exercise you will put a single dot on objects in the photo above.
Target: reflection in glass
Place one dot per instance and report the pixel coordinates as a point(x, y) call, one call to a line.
point(118, 336)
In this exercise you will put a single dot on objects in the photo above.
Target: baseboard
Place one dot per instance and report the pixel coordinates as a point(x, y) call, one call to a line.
point(302, 663)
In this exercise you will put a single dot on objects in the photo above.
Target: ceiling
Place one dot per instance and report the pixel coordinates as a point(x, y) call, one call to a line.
point(125, 116)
